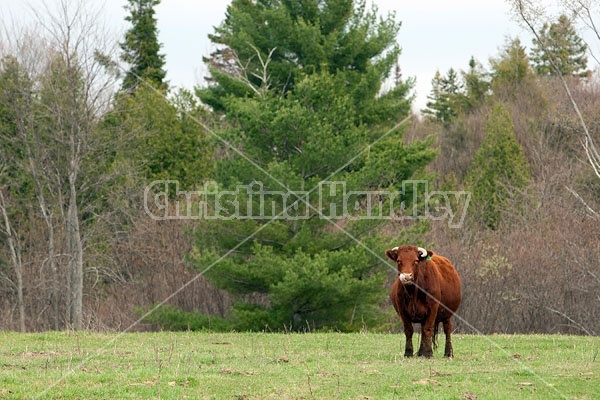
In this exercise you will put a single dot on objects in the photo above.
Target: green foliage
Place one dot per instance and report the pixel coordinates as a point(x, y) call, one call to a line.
point(453, 95)
point(16, 87)
point(477, 85)
point(499, 170)
point(444, 100)
point(169, 143)
point(174, 319)
point(306, 113)
point(141, 49)
point(559, 50)
point(16, 185)
point(303, 38)
point(326, 289)
point(16, 99)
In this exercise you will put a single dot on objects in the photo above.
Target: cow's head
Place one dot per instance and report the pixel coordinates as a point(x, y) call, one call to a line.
point(408, 258)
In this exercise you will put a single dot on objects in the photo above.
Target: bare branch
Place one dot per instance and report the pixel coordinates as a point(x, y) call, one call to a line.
point(263, 76)
point(590, 210)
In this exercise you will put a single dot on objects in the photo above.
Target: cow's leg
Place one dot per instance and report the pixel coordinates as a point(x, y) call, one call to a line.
point(408, 332)
point(426, 347)
point(427, 327)
point(448, 332)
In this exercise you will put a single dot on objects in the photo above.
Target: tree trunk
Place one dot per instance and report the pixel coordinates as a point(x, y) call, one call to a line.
point(75, 262)
point(20, 302)
point(55, 282)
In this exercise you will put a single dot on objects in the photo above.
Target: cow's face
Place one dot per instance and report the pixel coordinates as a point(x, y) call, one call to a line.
point(407, 258)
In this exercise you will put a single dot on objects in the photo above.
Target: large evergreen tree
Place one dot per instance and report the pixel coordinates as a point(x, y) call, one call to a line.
point(559, 44)
point(141, 48)
point(299, 85)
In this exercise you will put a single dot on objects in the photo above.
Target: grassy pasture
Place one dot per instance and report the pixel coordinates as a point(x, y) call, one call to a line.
point(198, 365)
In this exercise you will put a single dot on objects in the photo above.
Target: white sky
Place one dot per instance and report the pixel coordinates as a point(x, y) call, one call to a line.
point(435, 34)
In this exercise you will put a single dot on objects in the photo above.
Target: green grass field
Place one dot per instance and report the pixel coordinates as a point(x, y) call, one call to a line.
point(198, 365)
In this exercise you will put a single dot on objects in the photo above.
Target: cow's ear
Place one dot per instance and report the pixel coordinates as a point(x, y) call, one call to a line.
point(392, 254)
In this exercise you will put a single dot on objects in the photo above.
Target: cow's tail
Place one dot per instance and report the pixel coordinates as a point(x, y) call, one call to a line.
point(435, 332)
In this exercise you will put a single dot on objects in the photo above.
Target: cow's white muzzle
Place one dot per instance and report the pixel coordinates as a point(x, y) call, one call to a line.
point(405, 279)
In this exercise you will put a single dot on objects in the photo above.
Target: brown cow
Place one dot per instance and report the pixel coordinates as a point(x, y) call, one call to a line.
point(427, 291)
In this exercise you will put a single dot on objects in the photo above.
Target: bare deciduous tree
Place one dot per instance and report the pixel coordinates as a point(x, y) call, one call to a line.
point(58, 132)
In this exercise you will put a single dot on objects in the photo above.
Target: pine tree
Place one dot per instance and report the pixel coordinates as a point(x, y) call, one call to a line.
point(300, 38)
point(302, 101)
point(477, 85)
point(498, 171)
point(560, 45)
point(141, 49)
point(445, 98)
point(452, 95)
